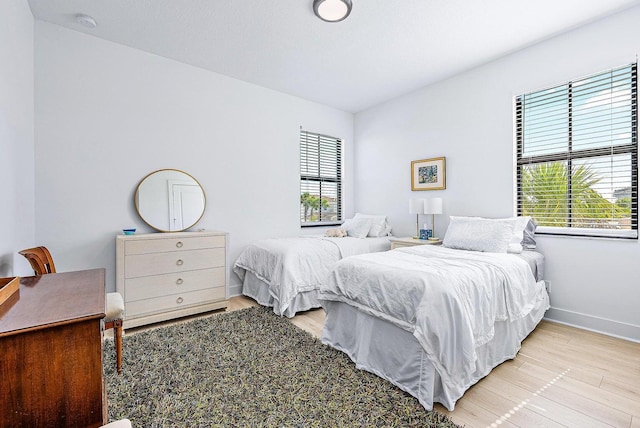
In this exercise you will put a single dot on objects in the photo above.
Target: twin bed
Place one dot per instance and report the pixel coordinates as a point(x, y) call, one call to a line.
point(285, 273)
point(432, 320)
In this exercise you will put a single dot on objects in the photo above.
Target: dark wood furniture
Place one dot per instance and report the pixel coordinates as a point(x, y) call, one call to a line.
point(40, 260)
point(42, 263)
point(51, 352)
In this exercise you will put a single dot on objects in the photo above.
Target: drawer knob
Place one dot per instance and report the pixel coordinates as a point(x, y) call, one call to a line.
point(179, 300)
point(179, 262)
point(179, 281)
point(179, 244)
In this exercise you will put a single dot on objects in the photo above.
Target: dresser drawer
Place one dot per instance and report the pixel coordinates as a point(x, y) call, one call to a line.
point(147, 246)
point(174, 261)
point(147, 287)
point(173, 302)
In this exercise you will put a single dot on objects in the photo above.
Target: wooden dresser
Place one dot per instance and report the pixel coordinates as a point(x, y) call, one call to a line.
point(169, 275)
point(51, 352)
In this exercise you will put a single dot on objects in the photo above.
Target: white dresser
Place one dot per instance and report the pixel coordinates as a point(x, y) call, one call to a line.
point(169, 275)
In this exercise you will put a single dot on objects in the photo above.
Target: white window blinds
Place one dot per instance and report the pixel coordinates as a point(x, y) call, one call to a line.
point(320, 179)
point(577, 156)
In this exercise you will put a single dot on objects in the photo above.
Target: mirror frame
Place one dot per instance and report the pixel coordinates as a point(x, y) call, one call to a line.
point(135, 199)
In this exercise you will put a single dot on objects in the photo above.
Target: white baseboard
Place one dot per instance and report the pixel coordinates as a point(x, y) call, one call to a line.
point(596, 324)
point(235, 290)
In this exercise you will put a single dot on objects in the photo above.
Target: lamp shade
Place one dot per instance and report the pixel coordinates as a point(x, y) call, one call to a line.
point(433, 206)
point(416, 206)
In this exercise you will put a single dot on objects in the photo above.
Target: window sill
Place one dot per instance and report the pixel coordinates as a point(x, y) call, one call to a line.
point(321, 224)
point(572, 232)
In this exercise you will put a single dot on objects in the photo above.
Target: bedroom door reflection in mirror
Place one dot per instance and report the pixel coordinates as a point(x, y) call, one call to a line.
point(170, 200)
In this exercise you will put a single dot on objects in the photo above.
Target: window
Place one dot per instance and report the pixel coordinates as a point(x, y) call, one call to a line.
point(320, 179)
point(577, 156)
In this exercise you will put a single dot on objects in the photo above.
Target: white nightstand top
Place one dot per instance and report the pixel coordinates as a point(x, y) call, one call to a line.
point(409, 242)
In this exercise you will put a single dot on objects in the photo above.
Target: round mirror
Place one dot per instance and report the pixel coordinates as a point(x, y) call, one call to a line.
point(170, 200)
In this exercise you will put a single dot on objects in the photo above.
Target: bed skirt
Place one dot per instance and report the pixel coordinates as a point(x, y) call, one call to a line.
point(258, 290)
point(382, 348)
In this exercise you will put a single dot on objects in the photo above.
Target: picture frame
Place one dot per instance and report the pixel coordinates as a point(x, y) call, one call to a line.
point(428, 174)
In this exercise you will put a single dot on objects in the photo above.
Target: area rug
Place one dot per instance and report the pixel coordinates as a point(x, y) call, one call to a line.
point(249, 368)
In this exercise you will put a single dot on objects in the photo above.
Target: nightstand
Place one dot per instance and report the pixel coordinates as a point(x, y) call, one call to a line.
point(410, 242)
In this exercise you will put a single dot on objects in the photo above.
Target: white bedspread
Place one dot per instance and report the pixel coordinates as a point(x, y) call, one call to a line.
point(448, 299)
point(294, 265)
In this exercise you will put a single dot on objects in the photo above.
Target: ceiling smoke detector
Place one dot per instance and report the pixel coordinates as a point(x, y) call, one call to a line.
point(86, 20)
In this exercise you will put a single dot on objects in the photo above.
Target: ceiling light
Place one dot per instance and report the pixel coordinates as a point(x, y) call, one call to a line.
point(86, 20)
point(332, 10)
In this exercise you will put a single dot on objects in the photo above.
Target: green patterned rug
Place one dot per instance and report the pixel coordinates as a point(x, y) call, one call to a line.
point(249, 368)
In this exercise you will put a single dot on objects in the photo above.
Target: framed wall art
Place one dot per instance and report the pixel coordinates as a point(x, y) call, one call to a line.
point(428, 174)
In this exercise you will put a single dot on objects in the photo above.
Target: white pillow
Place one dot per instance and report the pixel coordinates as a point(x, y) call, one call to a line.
point(520, 225)
point(379, 224)
point(477, 234)
point(357, 227)
point(515, 244)
point(529, 240)
point(523, 228)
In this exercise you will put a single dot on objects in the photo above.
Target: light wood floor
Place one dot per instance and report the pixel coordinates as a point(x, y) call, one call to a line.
point(562, 377)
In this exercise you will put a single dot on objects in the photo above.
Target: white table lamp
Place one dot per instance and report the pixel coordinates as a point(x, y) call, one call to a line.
point(433, 206)
point(416, 206)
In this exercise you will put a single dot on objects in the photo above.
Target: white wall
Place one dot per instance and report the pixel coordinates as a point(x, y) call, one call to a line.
point(469, 119)
point(16, 136)
point(107, 115)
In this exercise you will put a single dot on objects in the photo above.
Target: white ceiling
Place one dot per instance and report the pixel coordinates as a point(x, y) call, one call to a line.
point(385, 48)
